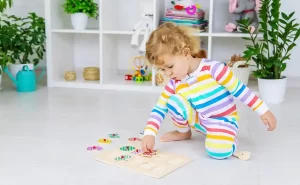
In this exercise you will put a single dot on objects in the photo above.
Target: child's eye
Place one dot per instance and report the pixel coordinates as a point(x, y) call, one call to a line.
point(170, 66)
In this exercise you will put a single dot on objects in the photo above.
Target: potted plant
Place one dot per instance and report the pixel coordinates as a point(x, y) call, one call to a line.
point(4, 4)
point(270, 54)
point(80, 11)
point(22, 40)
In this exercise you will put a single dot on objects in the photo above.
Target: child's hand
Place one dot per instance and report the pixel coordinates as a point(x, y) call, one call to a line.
point(148, 143)
point(269, 119)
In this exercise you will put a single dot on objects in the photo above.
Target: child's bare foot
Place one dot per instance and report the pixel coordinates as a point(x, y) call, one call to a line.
point(176, 136)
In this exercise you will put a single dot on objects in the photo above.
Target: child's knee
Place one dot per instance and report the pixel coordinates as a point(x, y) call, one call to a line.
point(223, 151)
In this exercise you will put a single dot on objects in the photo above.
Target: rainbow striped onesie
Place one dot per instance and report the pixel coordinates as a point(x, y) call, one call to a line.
point(204, 101)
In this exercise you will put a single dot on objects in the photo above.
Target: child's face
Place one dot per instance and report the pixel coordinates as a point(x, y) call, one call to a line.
point(175, 66)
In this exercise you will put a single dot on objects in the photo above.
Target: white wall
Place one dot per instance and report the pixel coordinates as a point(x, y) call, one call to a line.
point(22, 7)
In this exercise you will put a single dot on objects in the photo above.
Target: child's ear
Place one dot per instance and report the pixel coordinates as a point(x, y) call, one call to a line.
point(186, 51)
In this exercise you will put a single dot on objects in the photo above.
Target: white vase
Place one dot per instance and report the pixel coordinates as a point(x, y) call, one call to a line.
point(79, 21)
point(242, 73)
point(272, 91)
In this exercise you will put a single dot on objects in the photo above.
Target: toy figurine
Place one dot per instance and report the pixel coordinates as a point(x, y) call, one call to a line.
point(145, 25)
point(243, 9)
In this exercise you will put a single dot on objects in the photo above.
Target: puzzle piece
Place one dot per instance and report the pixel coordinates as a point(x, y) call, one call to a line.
point(127, 148)
point(123, 158)
point(137, 151)
point(115, 136)
point(103, 140)
point(134, 139)
point(94, 148)
point(149, 154)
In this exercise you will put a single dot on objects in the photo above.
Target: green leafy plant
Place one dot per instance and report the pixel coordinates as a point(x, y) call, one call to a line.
point(22, 39)
point(280, 31)
point(88, 7)
point(5, 4)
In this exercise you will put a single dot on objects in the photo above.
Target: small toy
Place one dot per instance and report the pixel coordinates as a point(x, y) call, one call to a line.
point(242, 155)
point(128, 77)
point(188, 5)
point(137, 151)
point(145, 25)
point(94, 148)
point(123, 158)
point(114, 136)
point(106, 141)
point(149, 154)
point(134, 139)
point(140, 70)
point(127, 148)
point(243, 9)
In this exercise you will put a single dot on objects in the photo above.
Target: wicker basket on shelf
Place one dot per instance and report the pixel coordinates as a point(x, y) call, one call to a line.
point(91, 73)
point(240, 68)
point(70, 75)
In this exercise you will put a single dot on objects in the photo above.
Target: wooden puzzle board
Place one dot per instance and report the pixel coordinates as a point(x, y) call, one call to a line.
point(157, 166)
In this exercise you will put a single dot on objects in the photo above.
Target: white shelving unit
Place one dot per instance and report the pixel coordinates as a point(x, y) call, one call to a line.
point(106, 42)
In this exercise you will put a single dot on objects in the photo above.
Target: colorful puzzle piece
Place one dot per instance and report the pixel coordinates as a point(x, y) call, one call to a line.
point(95, 148)
point(134, 139)
point(137, 151)
point(103, 140)
point(114, 136)
point(127, 148)
point(123, 158)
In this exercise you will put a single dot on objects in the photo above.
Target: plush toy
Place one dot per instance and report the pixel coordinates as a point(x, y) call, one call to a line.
point(201, 54)
point(184, 4)
point(243, 9)
point(145, 25)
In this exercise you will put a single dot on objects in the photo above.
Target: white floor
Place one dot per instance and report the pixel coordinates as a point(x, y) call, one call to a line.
point(44, 136)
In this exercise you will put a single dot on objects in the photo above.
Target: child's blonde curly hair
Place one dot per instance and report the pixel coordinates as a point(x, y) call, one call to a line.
point(170, 38)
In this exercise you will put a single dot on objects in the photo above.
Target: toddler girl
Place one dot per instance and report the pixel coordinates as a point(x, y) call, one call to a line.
point(200, 94)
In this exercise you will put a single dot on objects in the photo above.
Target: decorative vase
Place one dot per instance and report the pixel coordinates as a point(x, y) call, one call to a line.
point(79, 21)
point(272, 91)
point(241, 71)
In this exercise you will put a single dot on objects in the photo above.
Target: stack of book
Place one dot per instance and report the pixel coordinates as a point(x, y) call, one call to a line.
point(181, 17)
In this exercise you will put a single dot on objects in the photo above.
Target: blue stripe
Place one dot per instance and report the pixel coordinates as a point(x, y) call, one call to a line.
point(159, 108)
point(200, 127)
point(219, 155)
point(236, 88)
point(210, 102)
point(173, 109)
point(204, 96)
point(233, 148)
point(181, 106)
point(226, 120)
point(240, 91)
point(159, 112)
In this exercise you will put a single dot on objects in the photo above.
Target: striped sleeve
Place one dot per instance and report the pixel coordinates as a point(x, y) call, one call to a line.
point(224, 76)
point(159, 111)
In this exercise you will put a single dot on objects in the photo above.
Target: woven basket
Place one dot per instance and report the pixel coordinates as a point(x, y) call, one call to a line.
point(70, 75)
point(91, 73)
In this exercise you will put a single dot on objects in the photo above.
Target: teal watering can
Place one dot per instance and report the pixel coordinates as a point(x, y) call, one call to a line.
point(25, 79)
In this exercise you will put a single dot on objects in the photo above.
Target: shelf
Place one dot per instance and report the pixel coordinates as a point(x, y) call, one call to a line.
point(233, 35)
point(118, 60)
point(74, 52)
point(120, 15)
point(62, 20)
point(75, 31)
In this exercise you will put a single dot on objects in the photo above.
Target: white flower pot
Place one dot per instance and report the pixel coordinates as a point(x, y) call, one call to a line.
point(1, 73)
point(242, 73)
point(79, 21)
point(15, 68)
point(272, 91)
